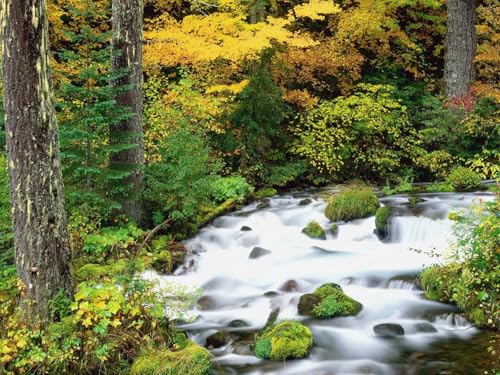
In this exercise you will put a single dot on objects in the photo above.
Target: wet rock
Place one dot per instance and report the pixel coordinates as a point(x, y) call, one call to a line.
point(305, 201)
point(413, 201)
point(258, 252)
point(289, 286)
point(266, 203)
point(206, 303)
point(271, 294)
point(389, 330)
point(219, 339)
point(425, 328)
point(242, 348)
point(245, 228)
point(307, 302)
point(334, 229)
point(237, 323)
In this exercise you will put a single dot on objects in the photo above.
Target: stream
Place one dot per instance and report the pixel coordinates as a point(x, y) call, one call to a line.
point(239, 292)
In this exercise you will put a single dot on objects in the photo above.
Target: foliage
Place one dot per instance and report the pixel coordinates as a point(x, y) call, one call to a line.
point(314, 230)
point(87, 112)
point(351, 204)
point(6, 237)
point(182, 180)
point(463, 179)
point(439, 187)
point(405, 185)
point(234, 187)
point(285, 340)
point(107, 324)
point(265, 193)
point(367, 134)
point(472, 279)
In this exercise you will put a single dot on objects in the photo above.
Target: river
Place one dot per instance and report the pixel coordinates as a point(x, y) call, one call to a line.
point(240, 292)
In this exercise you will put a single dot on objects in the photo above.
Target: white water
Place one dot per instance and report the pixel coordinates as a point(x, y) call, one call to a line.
point(378, 274)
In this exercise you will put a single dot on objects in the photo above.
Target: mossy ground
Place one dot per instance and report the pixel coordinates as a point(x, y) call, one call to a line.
point(285, 340)
point(351, 204)
point(190, 360)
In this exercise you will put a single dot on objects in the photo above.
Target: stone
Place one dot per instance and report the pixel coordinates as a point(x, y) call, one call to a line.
point(389, 330)
point(258, 252)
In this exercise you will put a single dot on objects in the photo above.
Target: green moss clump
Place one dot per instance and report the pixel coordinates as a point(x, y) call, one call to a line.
point(463, 179)
point(285, 340)
point(352, 204)
point(191, 360)
point(91, 271)
point(328, 301)
point(265, 193)
point(314, 230)
point(438, 282)
point(382, 217)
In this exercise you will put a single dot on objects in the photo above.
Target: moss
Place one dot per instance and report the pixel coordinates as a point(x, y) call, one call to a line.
point(285, 340)
point(265, 193)
point(439, 283)
point(314, 230)
point(351, 204)
point(221, 209)
point(93, 271)
point(382, 220)
point(191, 360)
point(328, 301)
point(478, 317)
point(334, 229)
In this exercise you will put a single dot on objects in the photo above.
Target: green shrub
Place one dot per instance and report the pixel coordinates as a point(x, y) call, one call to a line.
point(439, 187)
point(463, 179)
point(472, 280)
point(285, 340)
point(351, 204)
point(234, 187)
point(314, 230)
point(382, 217)
point(191, 360)
point(367, 134)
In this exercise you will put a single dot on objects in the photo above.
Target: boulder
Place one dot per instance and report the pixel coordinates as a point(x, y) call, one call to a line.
point(258, 252)
point(389, 330)
point(314, 230)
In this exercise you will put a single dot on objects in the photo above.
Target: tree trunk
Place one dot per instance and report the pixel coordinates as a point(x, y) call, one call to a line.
point(41, 241)
point(461, 44)
point(127, 57)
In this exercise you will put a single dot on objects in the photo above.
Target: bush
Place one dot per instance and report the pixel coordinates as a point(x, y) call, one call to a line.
point(182, 180)
point(234, 187)
point(351, 204)
point(439, 187)
point(463, 179)
point(328, 301)
point(472, 279)
point(190, 360)
point(285, 340)
point(367, 134)
point(314, 230)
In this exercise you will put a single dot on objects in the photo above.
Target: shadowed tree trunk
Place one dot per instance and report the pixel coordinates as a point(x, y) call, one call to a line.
point(127, 57)
point(461, 44)
point(41, 239)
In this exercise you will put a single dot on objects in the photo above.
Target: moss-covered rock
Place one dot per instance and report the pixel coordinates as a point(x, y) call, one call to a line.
point(351, 204)
point(314, 230)
point(265, 193)
point(438, 282)
point(91, 271)
point(382, 221)
point(285, 340)
point(334, 229)
point(328, 301)
point(191, 360)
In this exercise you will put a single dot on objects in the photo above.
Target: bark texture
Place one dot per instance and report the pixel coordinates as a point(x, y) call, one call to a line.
point(39, 221)
point(127, 57)
point(461, 44)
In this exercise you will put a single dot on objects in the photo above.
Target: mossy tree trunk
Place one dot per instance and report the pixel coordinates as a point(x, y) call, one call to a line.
point(127, 57)
point(41, 241)
point(461, 45)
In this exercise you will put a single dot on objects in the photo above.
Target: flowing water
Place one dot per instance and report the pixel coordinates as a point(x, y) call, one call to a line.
point(240, 292)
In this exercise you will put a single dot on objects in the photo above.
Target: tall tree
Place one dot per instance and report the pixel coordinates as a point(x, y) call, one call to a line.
point(126, 62)
point(461, 44)
point(41, 239)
